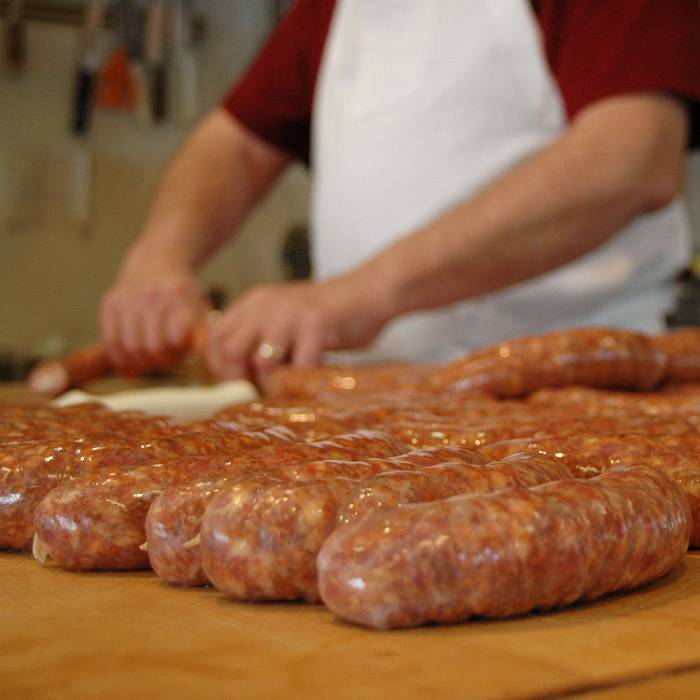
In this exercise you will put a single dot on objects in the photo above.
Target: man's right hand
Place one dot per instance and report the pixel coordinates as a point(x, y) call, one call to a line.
point(150, 314)
point(149, 318)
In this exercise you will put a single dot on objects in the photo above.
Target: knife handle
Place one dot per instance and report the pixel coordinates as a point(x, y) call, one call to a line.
point(16, 36)
point(159, 93)
point(84, 96)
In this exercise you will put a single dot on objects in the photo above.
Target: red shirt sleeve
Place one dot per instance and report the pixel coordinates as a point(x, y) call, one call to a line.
point(275, 96)
point(599, 48)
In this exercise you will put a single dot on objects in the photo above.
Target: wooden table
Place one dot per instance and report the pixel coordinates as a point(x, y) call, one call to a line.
point(128, 635)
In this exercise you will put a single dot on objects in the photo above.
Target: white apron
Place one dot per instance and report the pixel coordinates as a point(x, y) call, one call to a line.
point(419, 104)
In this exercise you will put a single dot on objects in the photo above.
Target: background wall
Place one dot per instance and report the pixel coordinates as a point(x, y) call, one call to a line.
point(693, 190)
point(69, 208)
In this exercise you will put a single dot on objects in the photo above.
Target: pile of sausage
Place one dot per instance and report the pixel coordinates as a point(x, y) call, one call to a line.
point(527, 476)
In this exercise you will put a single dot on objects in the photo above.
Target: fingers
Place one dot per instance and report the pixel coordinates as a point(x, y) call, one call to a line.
point(118, 334)
point(149, 328)
point(309, 346)
point(289, 323)
point(133, 342)
point(157, 348)
point(274, 350)
point(228, 346)
point(275, 347)
point(251, 346)
point(181, 323)
point(109, 331)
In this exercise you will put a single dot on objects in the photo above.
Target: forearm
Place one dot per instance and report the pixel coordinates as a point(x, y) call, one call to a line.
point(205, 193)
point(621, 158)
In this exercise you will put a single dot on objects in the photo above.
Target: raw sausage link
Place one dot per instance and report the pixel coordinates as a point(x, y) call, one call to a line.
point(682, 347)
point(319, 417)
point(442, 481)
point(598, 357)
point(678, 456)
point(476, 436)
point(30, 473)
point(507, 553)
point(671, 399)
point(27, 475)
point(54, 377)
point(175, 516)
point(79, 422)
point(684, 469)
point(97, 520)
point(303, 382)
point(260, 543)
point(596, 450)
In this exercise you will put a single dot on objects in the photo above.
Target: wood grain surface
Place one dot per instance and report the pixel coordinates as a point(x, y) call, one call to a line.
point(122, 635)
point(679, 685)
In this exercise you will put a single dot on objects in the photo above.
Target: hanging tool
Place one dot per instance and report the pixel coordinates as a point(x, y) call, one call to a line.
point(182, 60)
point(85, 86)
point(115, 86)
point(155, 59)
point(118, 84)
point(133, 34)
point(16, 35)
point(82, 175)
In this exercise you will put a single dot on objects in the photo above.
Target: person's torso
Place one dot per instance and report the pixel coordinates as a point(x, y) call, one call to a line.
point(418, 106)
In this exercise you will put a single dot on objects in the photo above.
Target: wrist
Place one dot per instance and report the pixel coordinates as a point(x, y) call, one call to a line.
point(147, 257)
point(371, 290)
point(381, 284)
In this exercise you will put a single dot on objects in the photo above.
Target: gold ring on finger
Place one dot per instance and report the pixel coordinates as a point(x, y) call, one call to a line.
point(270, 351)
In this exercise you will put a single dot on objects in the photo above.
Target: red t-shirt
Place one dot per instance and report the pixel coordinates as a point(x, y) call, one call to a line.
point(595, 49)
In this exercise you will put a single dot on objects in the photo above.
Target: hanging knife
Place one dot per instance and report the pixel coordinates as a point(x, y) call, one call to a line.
point(16, 35)
point(87, 71)
point(181, 60)
point(155, 59)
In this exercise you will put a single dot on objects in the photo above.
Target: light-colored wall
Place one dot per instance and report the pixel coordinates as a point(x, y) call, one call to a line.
point(69, 208)
point(693, 195)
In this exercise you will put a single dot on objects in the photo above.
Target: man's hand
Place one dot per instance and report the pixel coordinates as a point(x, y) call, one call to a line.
point(149, 318)
point(294, 323)
point(150, 314)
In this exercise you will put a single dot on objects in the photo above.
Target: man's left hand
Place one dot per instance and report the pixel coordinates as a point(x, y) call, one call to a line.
point(293, 323)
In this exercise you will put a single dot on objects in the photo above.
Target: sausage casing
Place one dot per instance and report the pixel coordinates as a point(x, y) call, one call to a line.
point(682, 347)
point(303, 382)
point(598, 357)
point(506, 553)
point(97, 521)
point(30, 472)
point(175, 517)
point(677, 455)
point(261, 543)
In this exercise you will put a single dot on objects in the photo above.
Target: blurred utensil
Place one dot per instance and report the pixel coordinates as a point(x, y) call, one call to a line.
point(133, 34)
point(16, 35)
point(155, 59)
point(118, 85)
point(181, 59)
point(89, 64)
